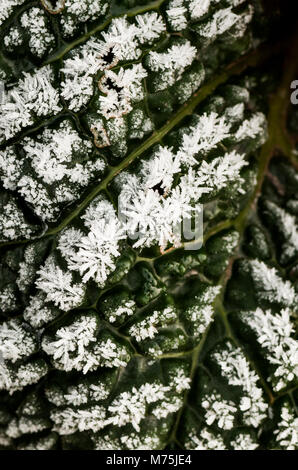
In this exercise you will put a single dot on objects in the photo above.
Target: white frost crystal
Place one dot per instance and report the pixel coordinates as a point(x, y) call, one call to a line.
point(171, 63)
point(47, 442)
point(7, 7)
point(121, 40)
point(101, 336)
point(69, 350)
point(131, 406)
point(76, 346)
point(13, 38)
point(51, 155)
point(34, 94)
point(204, 440)
point(122, 36)
point(126, 309)
point(209, 130)
point(113, 103)
point(287, 429)
point(12, 223)
point(147, 328)
point(224, 20)
point(77, 86)
point(18, 378)
point(35, 24)
point(137, 442)
point(78, 12)
point(270, 286)
point(200, 315)
point(219, 410)
point(180, 382)
point(8, 299)
point(275, 333)
point(69, 420)
point(59, 286)
point(15, 341)
point(287, 227)
point(10, 168)
point(150, 26)
point(74, 413)
point(27, 269)
point(253, 127)
point(176, 15)
point(244, 442)
point(38, 313)
point(156, 218)
point(93, 255)
point(235, 367)
point(198, 8)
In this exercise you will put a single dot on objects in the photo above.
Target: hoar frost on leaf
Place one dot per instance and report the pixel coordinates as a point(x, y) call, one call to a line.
point(206, 440)
point(77, 12)
point(59, 169)
point(113, 103)
point(93, 255)
point(121, 41)
point(58, 286)
point(68, 420)
point(38, 312)
point(69, 350)
point(156, 217)
point(200, 314)
point(34, 21)
point(236, 369)
point(223, 21)
point(275, 333)
point(176, 15)
point(77, 346)
point(121, 79)
point(131, 406)
point(34, 94)
point(7, 7)
point(8, 299)
point(12, 222)
point(244, 442)
point(219, 410)
point(252, 128)
point(147, 328)
point(287, 428)
point(287, 227)
point(15, 341)
point(171, 63)
point(270, 286)
point(13, 379)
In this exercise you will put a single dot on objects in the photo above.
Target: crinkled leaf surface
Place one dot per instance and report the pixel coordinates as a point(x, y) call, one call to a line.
point(118, 330)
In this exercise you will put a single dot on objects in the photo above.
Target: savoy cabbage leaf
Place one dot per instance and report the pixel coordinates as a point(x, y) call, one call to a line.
point(122, 122)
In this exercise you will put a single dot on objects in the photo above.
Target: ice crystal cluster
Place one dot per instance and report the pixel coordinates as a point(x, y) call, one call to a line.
point(61, 164)
point(148, 265)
